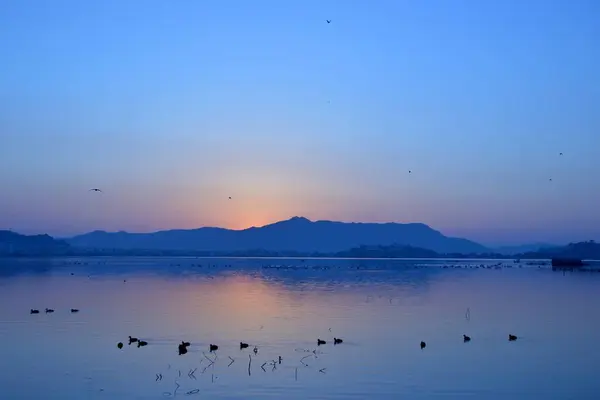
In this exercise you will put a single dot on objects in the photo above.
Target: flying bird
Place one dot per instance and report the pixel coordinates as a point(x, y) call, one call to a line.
point(328, 21)
point(229, 197)
point(96, 190)
point(560, 154)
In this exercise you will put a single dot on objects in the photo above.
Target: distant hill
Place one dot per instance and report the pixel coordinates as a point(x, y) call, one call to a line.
point(525, 248)
point(12, 243)
point(296, 234)
point(393, 251)
point(582, 250)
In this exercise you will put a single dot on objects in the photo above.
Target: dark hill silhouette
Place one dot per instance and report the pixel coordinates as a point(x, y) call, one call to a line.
point(12, 243)
point(582, 250)
point(524, 248)
point(393, 251)
point(296, 234)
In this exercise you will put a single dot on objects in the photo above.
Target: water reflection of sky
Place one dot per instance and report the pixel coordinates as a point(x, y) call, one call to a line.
point(382, 311)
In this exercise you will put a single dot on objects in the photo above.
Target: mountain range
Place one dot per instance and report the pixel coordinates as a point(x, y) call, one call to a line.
point(296, 237)
point(297, 234)
point(14, 243)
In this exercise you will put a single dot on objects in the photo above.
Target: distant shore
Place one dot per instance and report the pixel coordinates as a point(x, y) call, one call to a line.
point(283, 257)
point(44, 246)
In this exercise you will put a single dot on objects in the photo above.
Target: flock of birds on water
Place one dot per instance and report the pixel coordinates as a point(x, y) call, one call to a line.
point(50, 311)
point(305, 266)
point(182, 349)
point(183, 346)
point(212, 348)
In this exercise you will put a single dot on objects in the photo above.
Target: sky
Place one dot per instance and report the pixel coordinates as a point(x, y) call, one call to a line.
point(170, 107)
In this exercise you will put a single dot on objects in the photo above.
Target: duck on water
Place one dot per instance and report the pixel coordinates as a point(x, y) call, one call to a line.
point(182, 348)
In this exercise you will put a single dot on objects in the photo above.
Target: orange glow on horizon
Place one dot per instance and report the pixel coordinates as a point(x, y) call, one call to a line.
point(237, 213)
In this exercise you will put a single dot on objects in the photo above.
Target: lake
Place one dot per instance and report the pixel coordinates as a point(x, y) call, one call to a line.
point(382, 309)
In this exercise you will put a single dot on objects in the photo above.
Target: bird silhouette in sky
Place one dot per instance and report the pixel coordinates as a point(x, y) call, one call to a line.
point(328, 21)
point(96, 190)
point(560, 154)
point(229, 197)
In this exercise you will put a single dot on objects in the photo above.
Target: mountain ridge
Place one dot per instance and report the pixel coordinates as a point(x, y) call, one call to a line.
point(294, 234)
point(15, 243)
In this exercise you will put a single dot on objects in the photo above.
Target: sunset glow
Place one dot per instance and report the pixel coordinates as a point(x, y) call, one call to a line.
point(290, 115)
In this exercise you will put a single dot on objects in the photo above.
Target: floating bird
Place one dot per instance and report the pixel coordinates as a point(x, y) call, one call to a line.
point(49, 310)
point(34, 311)
point(96, 190)
point(182, 349)
point(255, 350)
point(337, 341)
point(466, 338)
point(423, 344)
point(213, 347)
point(186, 344)
point(142, 343)
point(320, 342)
point(328, 21)
point(280, 359)
point(120, 345)
point(243, 345)
point(74, 310)
point(132, 339)
point(512, 338)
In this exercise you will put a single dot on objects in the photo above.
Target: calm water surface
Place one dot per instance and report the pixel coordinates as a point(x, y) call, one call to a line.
point(382, 310)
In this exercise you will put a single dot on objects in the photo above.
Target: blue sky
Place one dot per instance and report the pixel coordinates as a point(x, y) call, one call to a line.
point(173, 106)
